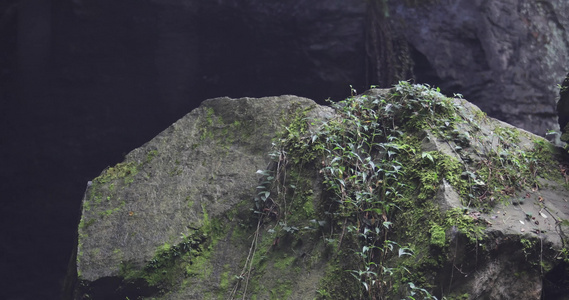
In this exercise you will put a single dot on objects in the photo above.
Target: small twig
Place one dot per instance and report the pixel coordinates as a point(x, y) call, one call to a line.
point(246, 272)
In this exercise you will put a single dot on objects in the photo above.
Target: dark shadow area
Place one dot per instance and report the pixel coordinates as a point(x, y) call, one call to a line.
point(425, 73)
point(82, 83)
point(556, 283)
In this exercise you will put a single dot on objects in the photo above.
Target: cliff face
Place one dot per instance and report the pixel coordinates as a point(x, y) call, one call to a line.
point(507, 57)
point(395, 192)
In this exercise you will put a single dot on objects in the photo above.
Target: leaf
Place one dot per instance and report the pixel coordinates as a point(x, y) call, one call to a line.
point(428, 155)
point(403, 251)
point(263, 172)
point(265, 195)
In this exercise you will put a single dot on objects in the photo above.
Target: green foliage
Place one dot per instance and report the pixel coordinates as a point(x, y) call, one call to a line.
point(379, 184)
point(365, 156)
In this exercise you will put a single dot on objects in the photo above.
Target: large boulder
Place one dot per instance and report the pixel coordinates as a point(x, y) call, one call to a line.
point(180, 195)
point(395, 192)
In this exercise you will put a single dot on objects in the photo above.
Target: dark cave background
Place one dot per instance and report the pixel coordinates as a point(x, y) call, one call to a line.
point(82, 83)
point(82, 86)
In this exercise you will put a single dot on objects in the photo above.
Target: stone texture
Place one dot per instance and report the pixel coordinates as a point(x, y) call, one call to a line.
point(505, 56)
point(199, 168)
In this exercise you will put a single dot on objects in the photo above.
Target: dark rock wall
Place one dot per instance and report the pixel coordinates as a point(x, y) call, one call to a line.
point(83, 82)
point(259, 48)
point(505, 56)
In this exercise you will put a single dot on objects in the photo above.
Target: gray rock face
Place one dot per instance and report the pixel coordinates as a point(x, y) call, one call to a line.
point(505, 56)
point(195, 171)
point(174, 220)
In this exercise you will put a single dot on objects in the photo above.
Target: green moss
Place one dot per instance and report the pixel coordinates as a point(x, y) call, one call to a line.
point(224, 279)
point(308, 207)
point(110, 211)
point(284, 262)
point(200, 267)
point(84, 225)
point(338, 272)
point(282, 289)
point(150, 156)
point(438, 237)
point(173, 263)
point(459, 219)
point(206, 129)
point(225, 134)
point(124, 170)
point(464, 296)
point(298, 149)
point(507, 135)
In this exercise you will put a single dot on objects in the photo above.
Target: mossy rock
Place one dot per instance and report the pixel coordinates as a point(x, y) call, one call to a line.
point(399, 193)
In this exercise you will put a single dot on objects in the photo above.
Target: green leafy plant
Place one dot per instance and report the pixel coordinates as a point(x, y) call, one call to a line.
point(378, 181)
point(361, 155)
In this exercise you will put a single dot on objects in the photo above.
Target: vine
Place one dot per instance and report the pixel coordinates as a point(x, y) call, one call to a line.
point(363, 156)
